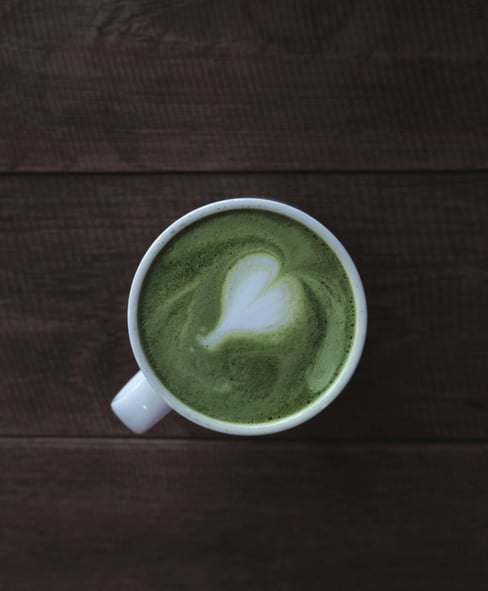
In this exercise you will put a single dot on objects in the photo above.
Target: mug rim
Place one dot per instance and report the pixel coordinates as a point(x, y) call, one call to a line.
point(321, 401)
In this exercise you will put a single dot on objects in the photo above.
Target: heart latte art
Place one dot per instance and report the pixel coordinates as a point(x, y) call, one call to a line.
point(255, 299)
point(246, 316)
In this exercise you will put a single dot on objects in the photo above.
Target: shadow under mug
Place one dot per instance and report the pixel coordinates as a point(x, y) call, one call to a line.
point(144, 400)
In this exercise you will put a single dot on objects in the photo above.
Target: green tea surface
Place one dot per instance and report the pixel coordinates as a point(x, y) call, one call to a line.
point(246, 316)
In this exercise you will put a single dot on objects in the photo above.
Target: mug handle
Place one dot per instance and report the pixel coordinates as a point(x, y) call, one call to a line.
point(138, 406)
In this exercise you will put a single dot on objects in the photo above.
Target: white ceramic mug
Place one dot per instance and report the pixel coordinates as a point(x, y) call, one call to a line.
point(144, 400)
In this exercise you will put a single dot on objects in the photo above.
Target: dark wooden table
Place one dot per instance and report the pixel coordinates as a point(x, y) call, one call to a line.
point(116, 117)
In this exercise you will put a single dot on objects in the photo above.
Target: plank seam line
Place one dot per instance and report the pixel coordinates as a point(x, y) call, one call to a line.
point(449, 171)
point(252, 441)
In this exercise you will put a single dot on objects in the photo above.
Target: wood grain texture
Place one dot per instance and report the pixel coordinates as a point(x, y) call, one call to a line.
point(231, 515)
point(70, 245)
point(112, 85)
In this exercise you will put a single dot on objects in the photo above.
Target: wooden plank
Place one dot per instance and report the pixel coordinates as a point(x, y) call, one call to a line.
point(230, 85)
point(70, 245)
point(233, 515)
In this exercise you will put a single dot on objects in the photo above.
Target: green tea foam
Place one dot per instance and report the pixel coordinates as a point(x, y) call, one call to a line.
point(246, 316)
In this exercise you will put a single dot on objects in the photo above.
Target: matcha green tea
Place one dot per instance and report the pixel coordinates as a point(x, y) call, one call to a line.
point(246, 316)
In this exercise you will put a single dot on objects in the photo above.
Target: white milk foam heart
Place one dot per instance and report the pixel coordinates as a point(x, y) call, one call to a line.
point(254, 299)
